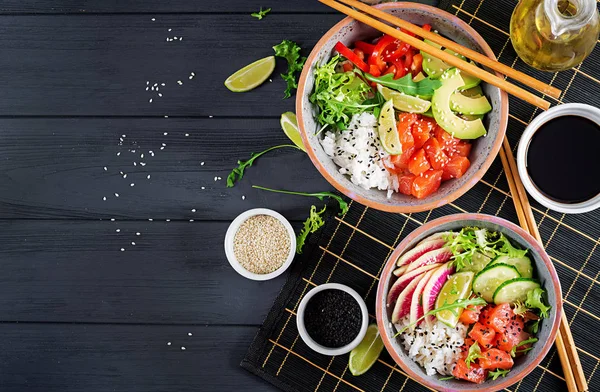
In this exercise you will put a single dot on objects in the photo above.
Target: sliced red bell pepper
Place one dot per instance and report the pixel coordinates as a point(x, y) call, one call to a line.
point(417, 64)
point(426, 27)
point(365, 47)
point(374, 70)
point(401, 49)
point(379, 51)
point(400, 68)
point(350, 55)
point(390, 70)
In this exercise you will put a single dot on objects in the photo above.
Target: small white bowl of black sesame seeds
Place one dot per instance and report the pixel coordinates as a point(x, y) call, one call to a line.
point(260, 244)
point(332, 319)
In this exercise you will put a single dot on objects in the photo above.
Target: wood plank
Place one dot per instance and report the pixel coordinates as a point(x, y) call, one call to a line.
point(70, 357)
point(176, 273)
point(54, 169)
point(99, 64)
point(158, 6)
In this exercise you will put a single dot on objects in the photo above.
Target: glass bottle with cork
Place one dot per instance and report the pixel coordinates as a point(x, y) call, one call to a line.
point(554, 35)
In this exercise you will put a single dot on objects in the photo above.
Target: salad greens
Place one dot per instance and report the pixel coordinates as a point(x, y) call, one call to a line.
point(312, 224)
point(471, 240)
point(534, 301)
point(238, 172)
point(473, 354)
point(290, 51)
point(406, 84)
point(339, 95)
point(260, 14)
point(514, 351)
point(497, 373)
point(319, 195)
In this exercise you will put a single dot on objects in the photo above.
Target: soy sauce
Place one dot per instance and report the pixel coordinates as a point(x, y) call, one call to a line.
point(563, 159)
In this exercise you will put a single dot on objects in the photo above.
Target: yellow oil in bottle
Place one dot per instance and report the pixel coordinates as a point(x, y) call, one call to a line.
point(554, 35)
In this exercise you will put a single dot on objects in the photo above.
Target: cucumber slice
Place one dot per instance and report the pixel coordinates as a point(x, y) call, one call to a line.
point(478, 262)
point(514, 290)
point(491, 277)
point(522, 264)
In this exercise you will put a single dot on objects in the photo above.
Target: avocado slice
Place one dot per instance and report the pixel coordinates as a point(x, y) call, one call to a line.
point(470, 80)
point(450, 122)
point(473, 92)
point(434, 67)
point(469, 105)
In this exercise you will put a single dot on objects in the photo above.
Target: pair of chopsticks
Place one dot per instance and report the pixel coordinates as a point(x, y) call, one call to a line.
point(567, 351)
point(565, 345)
point(447, 57)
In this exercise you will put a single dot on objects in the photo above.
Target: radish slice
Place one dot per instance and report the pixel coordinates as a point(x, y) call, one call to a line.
point(403, 281)
point(437, 256)
point(400, 270)
point(419, 250)
point(434, 286)
point(402, 307)
point(416, 307)
point(437, 236)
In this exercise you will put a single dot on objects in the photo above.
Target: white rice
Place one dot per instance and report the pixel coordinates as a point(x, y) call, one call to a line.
point(435, 347)
point(359, 154)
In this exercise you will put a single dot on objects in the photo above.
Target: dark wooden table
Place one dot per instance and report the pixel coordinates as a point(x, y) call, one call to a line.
point(104, 295)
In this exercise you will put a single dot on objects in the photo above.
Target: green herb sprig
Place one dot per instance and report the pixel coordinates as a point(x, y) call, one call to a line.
point(261, 14)
point(319, 195)
point(498, 373)
point(312, 224)
point(406, 84)
point(290, 51)
point(446, 378)
point(238, 172)
point(451, 307)
point(514, 351)
point(473, 354)
point(534, 301)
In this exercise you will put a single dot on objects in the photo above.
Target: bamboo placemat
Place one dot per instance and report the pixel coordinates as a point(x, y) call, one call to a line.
point(352, 249)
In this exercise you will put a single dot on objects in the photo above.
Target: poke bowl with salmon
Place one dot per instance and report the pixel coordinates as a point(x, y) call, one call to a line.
point(468, 302)
point(393, 127)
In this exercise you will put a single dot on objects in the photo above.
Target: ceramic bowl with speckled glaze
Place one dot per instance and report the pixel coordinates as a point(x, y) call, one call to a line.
point(484, 149)
point(543, 271)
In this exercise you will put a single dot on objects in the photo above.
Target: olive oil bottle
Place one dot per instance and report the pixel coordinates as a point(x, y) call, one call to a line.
point(554, 35)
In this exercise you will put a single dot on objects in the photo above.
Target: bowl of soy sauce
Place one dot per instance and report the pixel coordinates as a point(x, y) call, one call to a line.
point(559, 160)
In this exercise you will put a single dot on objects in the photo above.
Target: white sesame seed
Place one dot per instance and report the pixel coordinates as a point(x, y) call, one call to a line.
point(147, 88)
point(105, 169)
point(193, 210)
point(116, 195)
point(124, 175)
point(179, 82)
point(187, 134)
point(191, 220)
point(142, 156)
point(182, 348)
point(162, 148)
point(189, 334)
point(134, 163)
point(132, 243)
point(169, 29)
point(210, 116)
point(167, 220)
point(147, 82)
point(174, 37)
point(164, 145)
point(122, 249)
point(203, 188)
point(104, 198)
point(138, 233)
point(201, 163)
point(118, 230)
point(271, 80)
point(243, 197)
point(162, 84)
point(159, 94)
point(118, 153)
point(193, 74)
point(166, 133)
point(153, 19)
point(168, 343)
point(148, 176)
point(143, 163)
point(132, 184)
point(150, 100)
point(150, 219)
point(215, 178)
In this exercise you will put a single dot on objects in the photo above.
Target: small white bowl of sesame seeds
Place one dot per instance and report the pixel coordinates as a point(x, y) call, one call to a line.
point(260, 244)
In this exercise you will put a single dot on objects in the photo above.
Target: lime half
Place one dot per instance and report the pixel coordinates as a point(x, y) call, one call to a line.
point(251, 76)
point(289, 124)
point(388, 132)
point(404, 102)
point(458, 286)
point(366, 353)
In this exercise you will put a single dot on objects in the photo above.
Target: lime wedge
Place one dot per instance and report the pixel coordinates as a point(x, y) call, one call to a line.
point(289, 124)
point(251, 76)
point(366, 353)
point(458, 286)
point(388, 132)
point(404, 102)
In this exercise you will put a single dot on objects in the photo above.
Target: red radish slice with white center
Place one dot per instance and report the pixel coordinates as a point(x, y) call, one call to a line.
point(437, 256)
point(403, 281)
point(416, 307)
point(400, 270)
point(419, 251)
point(434, 286)
point(402, 307)
point(438, 236)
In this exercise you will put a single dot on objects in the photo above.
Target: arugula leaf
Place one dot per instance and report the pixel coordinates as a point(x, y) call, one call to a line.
point(534, 326)
point(312, 224)
point(260, 14)
point(473, 354)
point(513, 351)
point(290, 51)
point(446, 378)
point(497, 373)
point(238, 172)
point(452, 307)
point(519, 308)
point(319, 195)
point(340, 95)
point(406, 84)
point(534, 301)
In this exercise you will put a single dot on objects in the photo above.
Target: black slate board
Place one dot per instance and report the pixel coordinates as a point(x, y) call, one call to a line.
point(352, 250)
